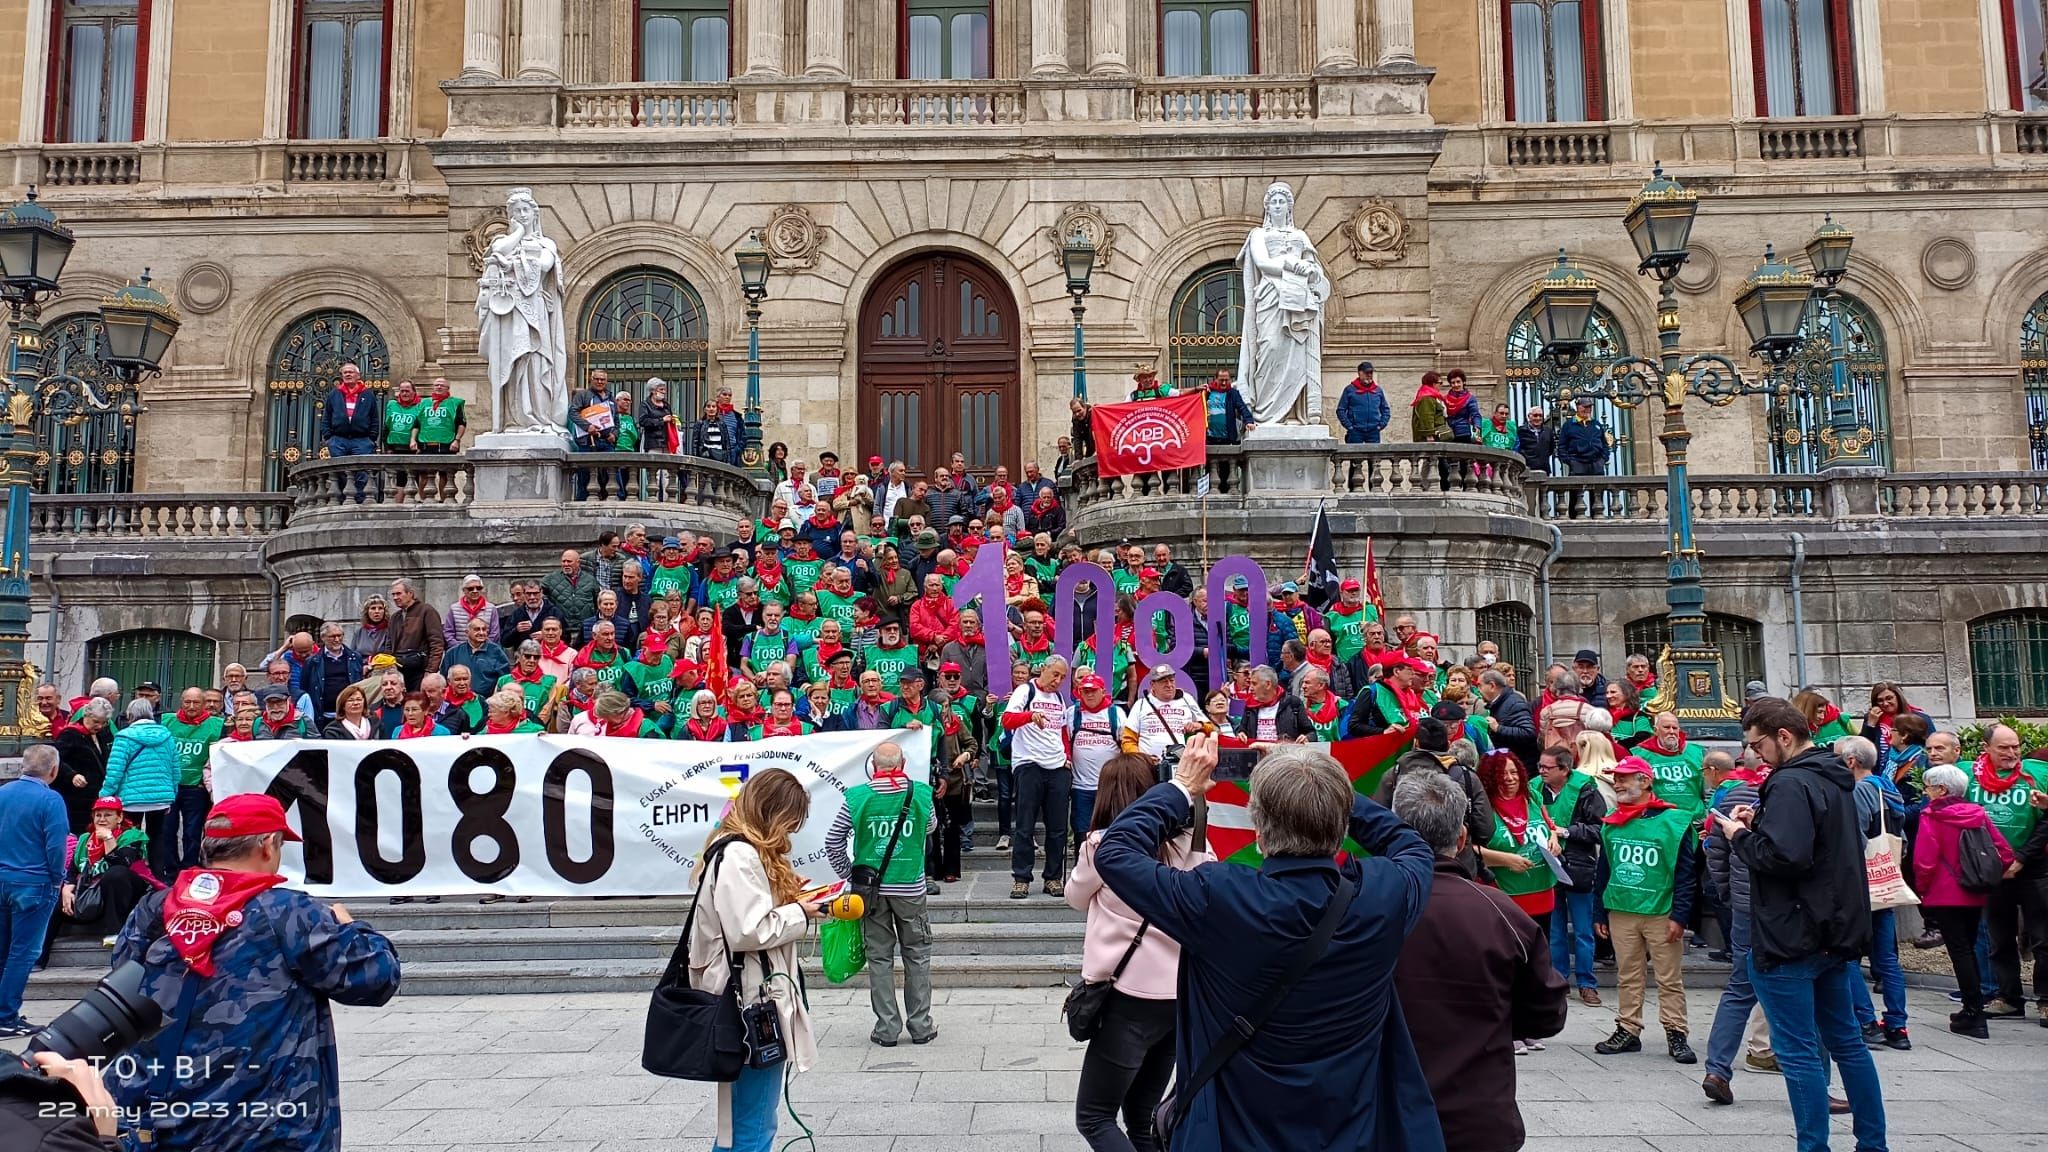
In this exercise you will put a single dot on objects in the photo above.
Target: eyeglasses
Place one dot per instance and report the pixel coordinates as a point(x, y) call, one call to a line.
point(1756, 745)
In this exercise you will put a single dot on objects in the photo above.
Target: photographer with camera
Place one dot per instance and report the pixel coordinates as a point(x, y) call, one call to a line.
point(33, 829)
point(54, 1105)
point(243, 971)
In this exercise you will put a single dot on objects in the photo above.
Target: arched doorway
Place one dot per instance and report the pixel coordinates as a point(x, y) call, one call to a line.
point(644, 323)
point(304, 365)
point(939, 365)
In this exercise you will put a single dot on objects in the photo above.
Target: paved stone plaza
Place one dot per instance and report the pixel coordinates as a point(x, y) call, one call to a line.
point(562, 1074)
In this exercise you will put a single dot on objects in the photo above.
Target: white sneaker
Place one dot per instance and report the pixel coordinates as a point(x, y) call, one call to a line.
point(1521, 1049)
point(1002, 843)
point(1534, 1045)
point(106, 941)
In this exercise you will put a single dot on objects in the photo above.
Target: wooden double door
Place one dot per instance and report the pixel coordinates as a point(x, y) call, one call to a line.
point(939, 366)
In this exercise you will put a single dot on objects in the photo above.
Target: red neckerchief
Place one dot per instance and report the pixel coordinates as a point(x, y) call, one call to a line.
point(588, 657)
point(555, 653)
point(746, 719)
point(665, 562)
point(408, 732)
point(710, 731)
point(290, 718)
point(193, 718)
point(1517, 821)
point(495, 728)
point(1754, 777)
point(349, 396)
point(1624, 713)
point(474, 607)
point(1044, 644)
point(1429, 392)
point(978, 640)
point(1657, 746)
point(628, 725)
point(725, 406)
point(827, 651)
point(822, 515)
point(770, 728)
point(1325, 714)
point(1409, 702)
point(522, 678)
point(1627, 812)
point(1650, 681)
point(1221, 386)
point(1014, 585)
point(1046, 501)
point(1326, 663)
point(455, 701)
point(951, 723)
point(1342, 609)
point(1363, 385)
point(768, 573)
point(796, 613)
point(438, 401)
point(1988, 777)
point(1500, 425)
point(205, 903)
point(842, 685)
point(238, 738)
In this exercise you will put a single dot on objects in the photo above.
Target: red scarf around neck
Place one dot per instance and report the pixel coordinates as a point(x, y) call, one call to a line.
point(1325, 714)
point(1988, 777)
point(408, 732)
point(1624, 813)
point(205, 903)
point(193, 718)
point(522, 678)
point(496, 727)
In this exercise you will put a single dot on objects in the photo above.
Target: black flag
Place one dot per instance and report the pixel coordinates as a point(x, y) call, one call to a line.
point(1319, 577)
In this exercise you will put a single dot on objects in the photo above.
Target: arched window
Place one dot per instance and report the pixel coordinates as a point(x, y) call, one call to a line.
point(1803, 54)
point(1741, 641)
point(96, 453)
point(343, 46)
point(96, 66)
point(1510, 624)
point(945, 40)
point(1552, 60)
point(1207, 38)
point(2034, 376)
point(2009, 663)
point(304, 366)
point(646, 322)
point(685, 41)
point(1605, 343)
point(173, 661)
point(2026, 54)
point(1796, 421)
point(1208, 326)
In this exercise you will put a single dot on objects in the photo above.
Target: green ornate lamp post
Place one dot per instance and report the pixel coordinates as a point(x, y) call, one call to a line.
point(1077, 257)
point(752, 258)
point(139, 324)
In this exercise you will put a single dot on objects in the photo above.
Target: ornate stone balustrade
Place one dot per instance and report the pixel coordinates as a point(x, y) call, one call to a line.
point(357, 487)
point(91, 165)
point(342, 163)
point(1567, 147)
point(1810, 140)
point(1644, 499)
point(946, 103)
point(1464, 475)
point(1224, 100)
point(649, 106)
point(174, 517)
point(658, 480)
point(1979, 495)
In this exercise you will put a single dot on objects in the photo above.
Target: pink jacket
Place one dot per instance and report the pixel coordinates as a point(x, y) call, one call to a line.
point(1155, 966)
point(1934, 852)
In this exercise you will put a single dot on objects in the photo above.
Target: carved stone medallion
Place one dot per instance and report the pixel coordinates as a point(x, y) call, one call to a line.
point(793, 238)
point(1092, 223)
point(1378, 233)
point(477, 241)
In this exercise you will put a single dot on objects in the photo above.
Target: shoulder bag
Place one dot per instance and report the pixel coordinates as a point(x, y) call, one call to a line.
point(1174, 1108)
point(1086, 1000)
point(866, 882)
point(693, 1034)
point(1882, 869)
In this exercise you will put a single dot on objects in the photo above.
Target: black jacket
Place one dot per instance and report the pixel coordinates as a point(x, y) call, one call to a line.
point(1581, 855)
point(511, 615)
point(1478, 811)
point(1517, 730)
point(80, 753)
point(1808, 890)
point(1289, 722)
point(1538, 444)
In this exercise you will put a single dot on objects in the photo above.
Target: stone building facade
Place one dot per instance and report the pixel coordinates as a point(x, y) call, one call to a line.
point(313, 180)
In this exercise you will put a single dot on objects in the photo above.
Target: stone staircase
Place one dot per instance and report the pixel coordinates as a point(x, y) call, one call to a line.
point(981, 938)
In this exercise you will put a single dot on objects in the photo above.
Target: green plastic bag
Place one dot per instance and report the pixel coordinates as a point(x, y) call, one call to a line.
point(842, 949)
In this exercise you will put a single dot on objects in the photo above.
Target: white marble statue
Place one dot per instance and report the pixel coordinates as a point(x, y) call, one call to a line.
point(519, 324)
point(1280, 361)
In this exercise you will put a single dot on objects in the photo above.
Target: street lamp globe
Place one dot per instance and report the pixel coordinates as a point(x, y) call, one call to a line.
point(1078, 257)
point(1659, 221)
point(140, 324)
point(1828, 252)
point(33, 248)
point(752, 258)
point(1562, 309)
point(1773, 304)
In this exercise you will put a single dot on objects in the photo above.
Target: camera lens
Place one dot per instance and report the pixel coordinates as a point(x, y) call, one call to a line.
point(105, 1022)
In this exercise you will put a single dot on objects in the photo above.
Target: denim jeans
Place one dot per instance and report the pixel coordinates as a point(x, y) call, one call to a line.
point(1884, 964)
point(1738, 999)
point(1810, 1006)
point(754, 1098)
point(1571, 936)
point(25, 911)
point(1084, 812)
point(339, 446)
point(1041, 794)
point(188, 819)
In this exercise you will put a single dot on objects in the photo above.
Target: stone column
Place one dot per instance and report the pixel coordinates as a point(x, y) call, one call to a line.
point(1109, 32)
point(825, 38)
point(540, 40)
point(1336, 35)
point(764, 38)
point(1049, 38)
point(483, 42)
point(1394, 29)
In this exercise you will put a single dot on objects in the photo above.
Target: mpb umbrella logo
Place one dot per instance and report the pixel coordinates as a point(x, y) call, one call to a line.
point(1145, 435)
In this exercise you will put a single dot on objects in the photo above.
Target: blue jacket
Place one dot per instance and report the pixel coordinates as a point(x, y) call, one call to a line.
point(33, 829)
point(142, 766)
point(1464, 418)
point(367, 424)
point(274, 1081)
point(1363, 412)
point(1582, 445)
point(1334, 1066)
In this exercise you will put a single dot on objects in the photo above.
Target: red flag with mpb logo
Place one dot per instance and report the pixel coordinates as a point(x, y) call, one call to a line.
point(1151, 435)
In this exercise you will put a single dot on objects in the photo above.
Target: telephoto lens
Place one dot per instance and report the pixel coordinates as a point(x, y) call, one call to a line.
point(106, 1022)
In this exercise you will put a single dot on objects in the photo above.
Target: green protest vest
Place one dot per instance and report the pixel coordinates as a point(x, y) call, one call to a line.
point(654, 683)
point(2012, 811)
point(536, 693)
point(875, 815)
point(667, 580)
point(1347, 632)
point(803, 575)
point(1679, 778)
point(722, 594)
point(891, 663)
point(1126, 581)
point(1642, 861)
point(194, 743)
point(1535, 832)
point(833, 606)
point(1567, 801)
point(438, 421)
point(612, 671)
point(399, 422)
point(767, 647)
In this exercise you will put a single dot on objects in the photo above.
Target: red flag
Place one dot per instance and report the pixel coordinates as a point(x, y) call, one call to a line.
point(1151, 435)
point(717, 664)
point(1372, 584)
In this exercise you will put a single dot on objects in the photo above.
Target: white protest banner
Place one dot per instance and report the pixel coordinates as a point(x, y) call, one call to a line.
point(532, 815)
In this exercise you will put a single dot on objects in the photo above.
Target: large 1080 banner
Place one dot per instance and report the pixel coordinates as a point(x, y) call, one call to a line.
point(532, 815)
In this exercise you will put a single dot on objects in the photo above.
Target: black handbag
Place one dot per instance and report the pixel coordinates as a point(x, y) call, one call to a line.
point(692, 1034)
point(866, 882)
point(1086, 1000)
point(88, 900)
point(1174, 1108)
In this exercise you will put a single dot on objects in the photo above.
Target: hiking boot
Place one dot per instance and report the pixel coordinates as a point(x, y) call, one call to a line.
point(1761, 1062)
point(2002, 1008)
point(1928, 939)
point(1055, 888)
point(1969, 1024)
point(1873, 1034)
point(1589, 997)
point(1622, 1041)
point(1896, 1039)
point(1718, 1089)
point(1021, 890)
point(1674, 1042)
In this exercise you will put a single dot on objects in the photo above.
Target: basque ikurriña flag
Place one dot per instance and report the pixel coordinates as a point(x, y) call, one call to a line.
point(1366, 761)
point(1151, 435)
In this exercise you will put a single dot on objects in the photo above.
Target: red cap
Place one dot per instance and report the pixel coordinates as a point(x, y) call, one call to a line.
point(950, 666)
point(683, 666)
point(1087, 680)
point(106, 804)
point(1349, 586)
point(1633, 766)
point(1148, 573)
point(249, 814)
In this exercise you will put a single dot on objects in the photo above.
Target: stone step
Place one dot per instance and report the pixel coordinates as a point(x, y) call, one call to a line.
point(979, 898)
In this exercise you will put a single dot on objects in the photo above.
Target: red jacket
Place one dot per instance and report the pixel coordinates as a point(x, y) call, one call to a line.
point(933, 622)
point(1934, 852)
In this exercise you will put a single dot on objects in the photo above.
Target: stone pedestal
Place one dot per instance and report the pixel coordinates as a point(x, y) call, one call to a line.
point(519, 471)
point(1283, 458)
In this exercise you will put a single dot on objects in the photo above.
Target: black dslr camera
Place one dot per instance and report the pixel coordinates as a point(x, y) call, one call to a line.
point(1169, 762)
point(112, 1017)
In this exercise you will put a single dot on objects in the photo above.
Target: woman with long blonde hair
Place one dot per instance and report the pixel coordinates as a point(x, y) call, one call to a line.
point(1597, 758)
point(749, 906)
